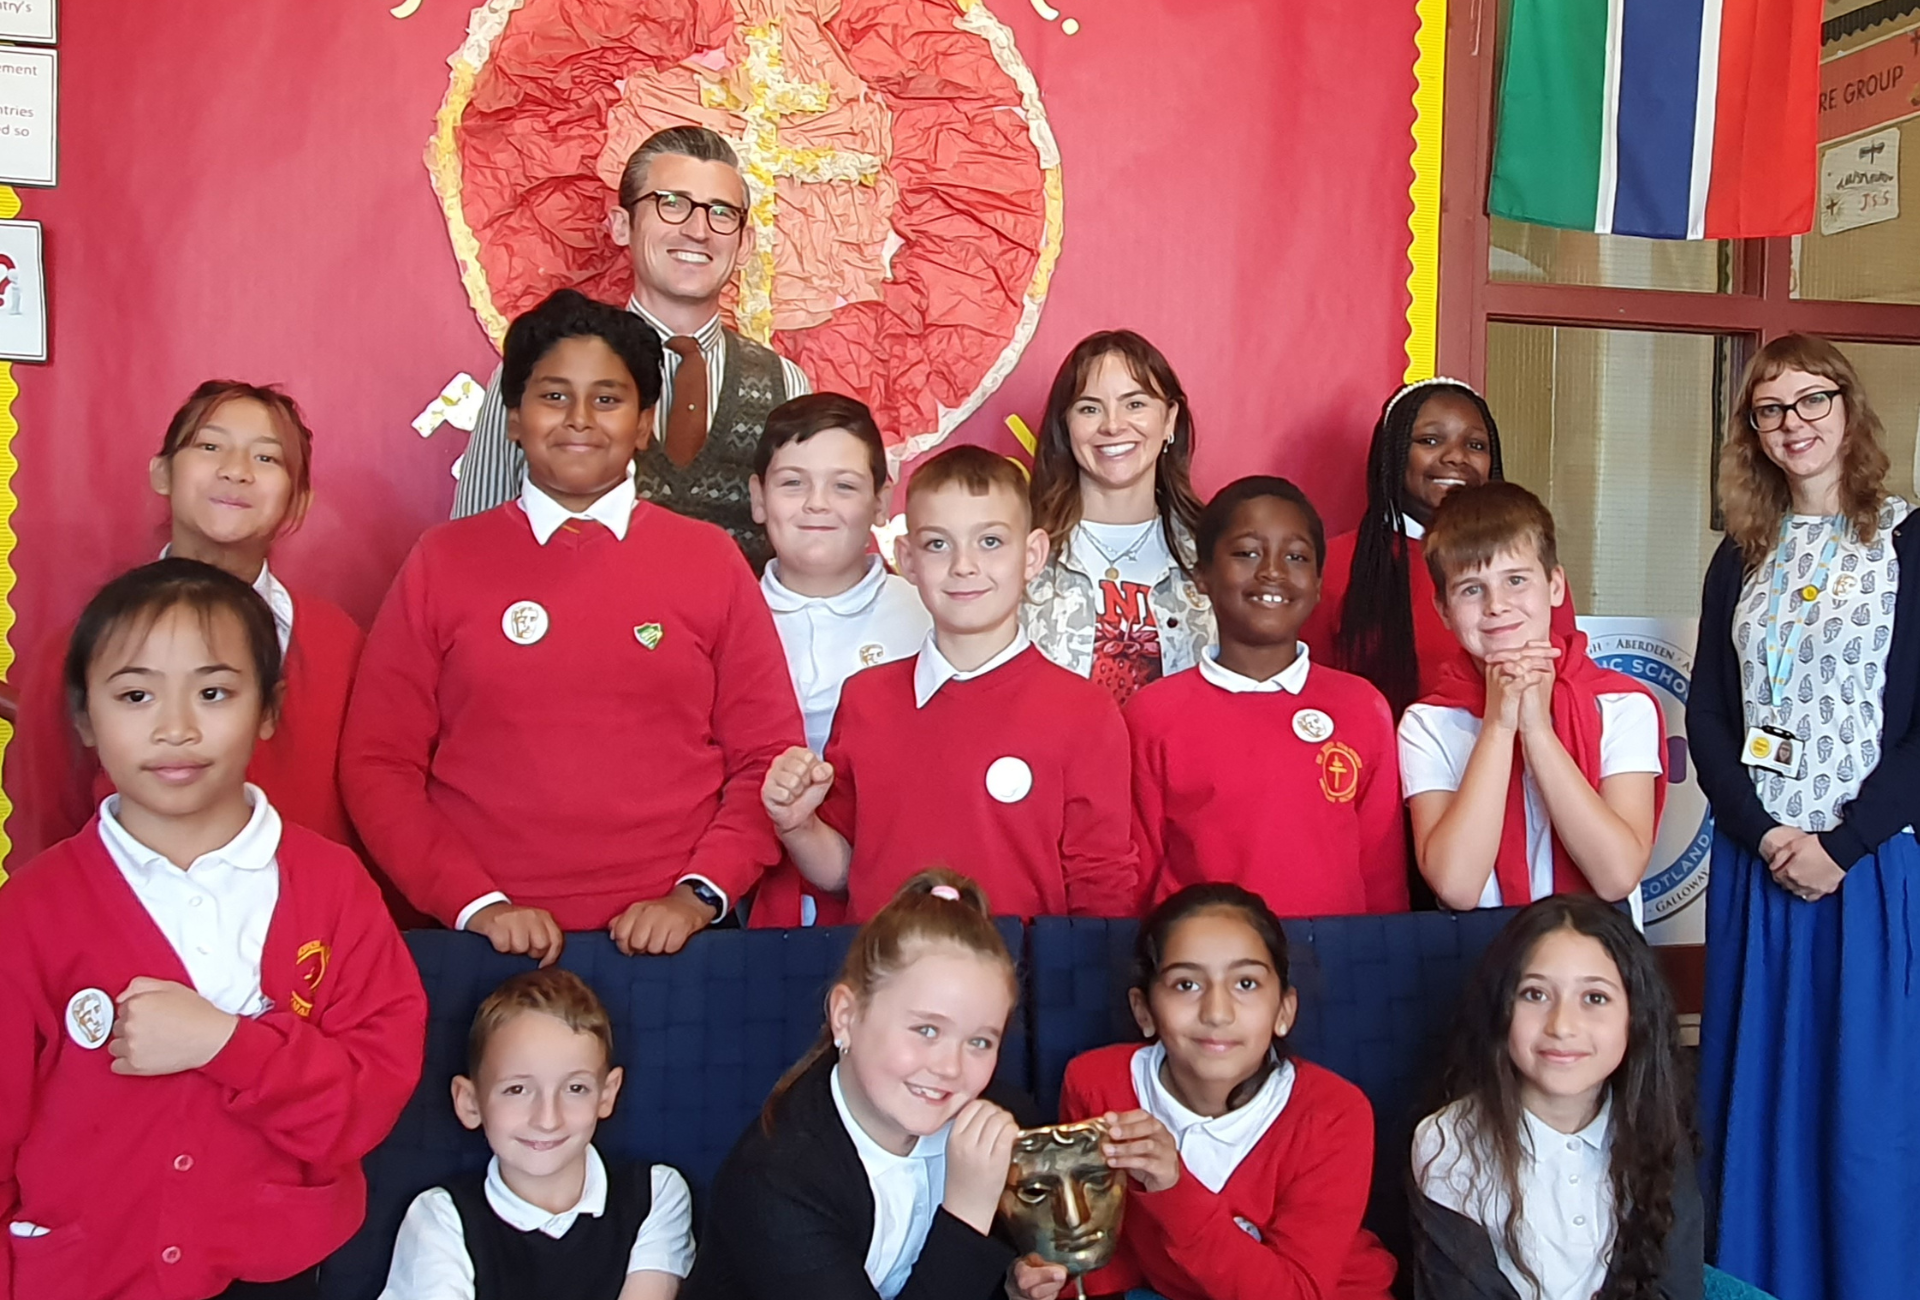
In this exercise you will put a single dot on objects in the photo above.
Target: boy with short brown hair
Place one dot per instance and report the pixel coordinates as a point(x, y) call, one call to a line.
point(1537, 772)
point(977, 754)
point(548, 1217)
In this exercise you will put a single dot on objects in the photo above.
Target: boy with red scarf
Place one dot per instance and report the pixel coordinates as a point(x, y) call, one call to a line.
point(1529, 770)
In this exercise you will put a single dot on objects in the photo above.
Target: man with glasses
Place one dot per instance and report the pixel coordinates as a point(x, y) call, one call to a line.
point(683, 219)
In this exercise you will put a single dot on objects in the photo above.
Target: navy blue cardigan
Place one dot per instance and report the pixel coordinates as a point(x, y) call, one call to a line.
point(1889, 798)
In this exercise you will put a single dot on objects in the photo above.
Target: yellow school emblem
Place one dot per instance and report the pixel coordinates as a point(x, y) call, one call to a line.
point(649, 634)
point(1760, 746)
point(309, 967)
point(1339, 772)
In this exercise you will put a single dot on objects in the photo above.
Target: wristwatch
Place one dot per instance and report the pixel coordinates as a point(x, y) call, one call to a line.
point(707, 894)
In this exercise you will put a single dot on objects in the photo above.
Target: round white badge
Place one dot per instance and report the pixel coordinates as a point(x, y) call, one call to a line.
point(524, 622)
point(89, 1018)
point(1009, 779)
point(1312, 725)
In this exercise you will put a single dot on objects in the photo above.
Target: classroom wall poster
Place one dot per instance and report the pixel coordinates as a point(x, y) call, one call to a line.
point(29, 20)
point(1658, 653)
point(23, 293)
point(29, 130)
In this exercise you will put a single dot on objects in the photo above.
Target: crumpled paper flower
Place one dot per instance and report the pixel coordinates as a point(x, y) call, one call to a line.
point(904, 183)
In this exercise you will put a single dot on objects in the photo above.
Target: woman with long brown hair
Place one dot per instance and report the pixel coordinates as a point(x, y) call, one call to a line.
point(1111, 486)
point(1806, 735)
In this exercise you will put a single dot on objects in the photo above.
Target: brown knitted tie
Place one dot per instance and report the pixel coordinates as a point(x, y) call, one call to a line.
point(687, 418)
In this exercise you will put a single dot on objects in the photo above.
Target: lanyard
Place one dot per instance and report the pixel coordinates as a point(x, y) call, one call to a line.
point(1779, 638)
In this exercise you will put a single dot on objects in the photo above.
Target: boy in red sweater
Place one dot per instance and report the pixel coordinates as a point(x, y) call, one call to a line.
point(1528, 769)
point(568, 702)
point(1251, 1167)
point(210, 1017)
point(977, 754)
point(1257, 728)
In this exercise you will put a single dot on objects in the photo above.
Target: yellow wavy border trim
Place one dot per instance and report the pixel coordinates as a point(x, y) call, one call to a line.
point(1423, 249)
point(9, 389)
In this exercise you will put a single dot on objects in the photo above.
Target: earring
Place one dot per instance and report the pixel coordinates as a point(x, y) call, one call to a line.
point(840, 1047)
point(1167, 446)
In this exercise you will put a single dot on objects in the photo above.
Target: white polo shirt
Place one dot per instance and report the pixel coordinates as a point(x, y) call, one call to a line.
point(1566, 1232)
point(1437, 741)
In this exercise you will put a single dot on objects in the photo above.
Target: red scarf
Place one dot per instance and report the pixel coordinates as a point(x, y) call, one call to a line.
point(1578, 684)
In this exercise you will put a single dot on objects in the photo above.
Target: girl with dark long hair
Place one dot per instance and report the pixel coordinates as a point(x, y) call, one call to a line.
point(1376, 615)
point(1560, 1165)
point(1111, 486)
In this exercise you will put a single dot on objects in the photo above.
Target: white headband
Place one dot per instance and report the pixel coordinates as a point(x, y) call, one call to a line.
point(1424, 383)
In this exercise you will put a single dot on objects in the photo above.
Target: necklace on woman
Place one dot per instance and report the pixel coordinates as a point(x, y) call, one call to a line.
point(1115, 561)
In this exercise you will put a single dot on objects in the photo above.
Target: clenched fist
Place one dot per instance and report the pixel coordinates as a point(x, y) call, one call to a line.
point(796, 785)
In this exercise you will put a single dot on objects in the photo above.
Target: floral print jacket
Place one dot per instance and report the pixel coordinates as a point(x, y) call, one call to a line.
point(1063, 604)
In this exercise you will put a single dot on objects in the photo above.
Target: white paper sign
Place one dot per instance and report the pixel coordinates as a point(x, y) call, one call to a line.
point(23, 293)
point(27, 20)
point(1860, 182)
point(29, 138)
point(1658, 653)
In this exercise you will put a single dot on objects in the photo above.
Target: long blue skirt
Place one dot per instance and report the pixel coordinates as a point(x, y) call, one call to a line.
point(1810, 1077)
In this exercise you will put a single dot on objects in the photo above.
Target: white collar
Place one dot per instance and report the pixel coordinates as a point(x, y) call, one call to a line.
point(931, 670)
point(1596, 1136)
point(525, 1216)
point(1412, 529)
point(856, 599)
point(1211, 1146)
point(705, 336)
point(1292, 679)
point(255, 848)
point(875, 1158)
point(545, 515)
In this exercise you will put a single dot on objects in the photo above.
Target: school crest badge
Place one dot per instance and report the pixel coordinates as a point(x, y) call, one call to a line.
point(1339, 772)
point(649, 634)
point(309, 968)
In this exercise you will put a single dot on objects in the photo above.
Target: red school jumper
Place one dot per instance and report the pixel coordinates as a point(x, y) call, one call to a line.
point(1295, 797)
point(911, 788)
point(592, 765)
point(1303, 1187)
point(171, 1187)
point(56, 783)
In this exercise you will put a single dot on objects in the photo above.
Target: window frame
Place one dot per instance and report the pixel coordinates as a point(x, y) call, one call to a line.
point(1759, 308)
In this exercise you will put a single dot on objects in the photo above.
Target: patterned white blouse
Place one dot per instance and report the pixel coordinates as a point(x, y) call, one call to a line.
point(1835, 651)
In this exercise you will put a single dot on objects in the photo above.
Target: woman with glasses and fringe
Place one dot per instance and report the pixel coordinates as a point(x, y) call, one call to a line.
point(1805, 732)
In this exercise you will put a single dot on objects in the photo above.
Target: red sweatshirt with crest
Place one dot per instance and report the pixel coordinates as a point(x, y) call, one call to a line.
point(248, 1168)
point(1286, 1223)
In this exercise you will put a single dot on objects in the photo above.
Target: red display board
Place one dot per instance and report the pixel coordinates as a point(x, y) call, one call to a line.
point(244, 193)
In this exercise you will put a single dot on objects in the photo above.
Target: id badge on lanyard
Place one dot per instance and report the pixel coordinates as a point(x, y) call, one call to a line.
point(1773, 748)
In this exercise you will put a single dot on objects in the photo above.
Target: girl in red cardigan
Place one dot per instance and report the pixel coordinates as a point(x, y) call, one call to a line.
point(209, 1016)
point(235, 469)
point(1251, 1168)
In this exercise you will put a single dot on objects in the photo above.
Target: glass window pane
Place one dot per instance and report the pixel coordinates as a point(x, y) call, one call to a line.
point(1890, 373)
point(1518, 251)
point(1614, 429)
point(1858, 249)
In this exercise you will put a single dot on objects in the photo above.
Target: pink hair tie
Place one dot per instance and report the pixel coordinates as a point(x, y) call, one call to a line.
point(947, 892)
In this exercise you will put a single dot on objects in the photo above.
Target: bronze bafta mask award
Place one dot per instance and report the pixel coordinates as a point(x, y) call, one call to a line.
point(1061, 1202)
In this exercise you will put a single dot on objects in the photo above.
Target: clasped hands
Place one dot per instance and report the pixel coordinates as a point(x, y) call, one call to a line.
point(1800, 864)
point(1520, 686)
